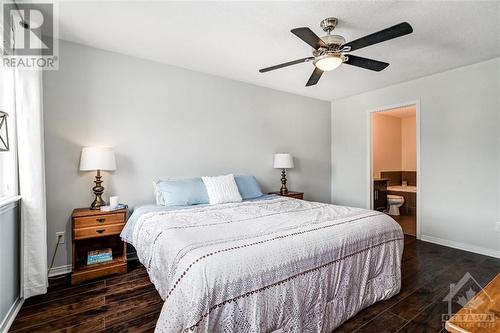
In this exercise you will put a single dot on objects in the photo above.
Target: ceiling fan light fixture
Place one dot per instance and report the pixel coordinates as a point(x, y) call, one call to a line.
point(330, 51)
point(328, 62)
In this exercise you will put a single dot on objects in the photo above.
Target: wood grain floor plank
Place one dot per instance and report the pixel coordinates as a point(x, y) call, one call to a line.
point(153, 303)
point(95, 314)
point(66, 302)
point(384, 323)
point(431, 316)
point(88, 326)
point(127, 290)
point(63, 293)
point(90, 316)
point(50, 314)
point(439, 282)
point(137, 273)
point(144, 323)
point(112, 293)
point(413, 327)
point(416, 302)
point(360, 319)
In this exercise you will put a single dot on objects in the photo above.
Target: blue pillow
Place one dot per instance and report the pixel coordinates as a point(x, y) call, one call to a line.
point(182, 192)
point(248, 187)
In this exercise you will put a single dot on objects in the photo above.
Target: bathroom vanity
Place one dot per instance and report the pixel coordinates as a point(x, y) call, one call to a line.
point(380, 194)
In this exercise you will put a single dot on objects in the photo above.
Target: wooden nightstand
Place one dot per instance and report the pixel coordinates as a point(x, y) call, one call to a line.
point(291, 194)
point(96, 230)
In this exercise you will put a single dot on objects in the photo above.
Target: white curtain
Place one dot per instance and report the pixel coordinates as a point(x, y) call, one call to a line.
point(29, 112)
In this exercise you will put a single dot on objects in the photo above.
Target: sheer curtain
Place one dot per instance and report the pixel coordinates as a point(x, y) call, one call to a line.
point(31, 164)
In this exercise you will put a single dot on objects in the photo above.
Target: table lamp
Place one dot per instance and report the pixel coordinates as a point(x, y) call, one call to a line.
point(283, 161)
point(97, 159)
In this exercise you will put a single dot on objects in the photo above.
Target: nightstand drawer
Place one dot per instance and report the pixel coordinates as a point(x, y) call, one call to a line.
point(105, 230)
point(98, 220)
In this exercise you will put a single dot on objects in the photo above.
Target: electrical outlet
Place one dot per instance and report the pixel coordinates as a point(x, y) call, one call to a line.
point(497, 227)
point(60, 237)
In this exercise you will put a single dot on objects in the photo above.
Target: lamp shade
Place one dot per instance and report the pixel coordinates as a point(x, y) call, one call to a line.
point(283, 161)
point(96, 158)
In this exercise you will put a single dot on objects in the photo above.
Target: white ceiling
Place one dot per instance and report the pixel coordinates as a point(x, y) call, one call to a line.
point(235, 39)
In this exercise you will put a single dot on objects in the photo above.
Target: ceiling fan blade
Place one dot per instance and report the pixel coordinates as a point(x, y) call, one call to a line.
point(395, 31)
point(366, 63)
point(315, 76)
point(308, 36)
point(294, 62)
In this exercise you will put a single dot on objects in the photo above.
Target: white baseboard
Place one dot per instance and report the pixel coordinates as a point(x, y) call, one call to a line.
point(60, 270)
point(461, 246)
point(11, 315)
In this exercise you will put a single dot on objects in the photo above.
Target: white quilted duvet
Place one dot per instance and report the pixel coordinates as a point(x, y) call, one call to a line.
point(260, 266)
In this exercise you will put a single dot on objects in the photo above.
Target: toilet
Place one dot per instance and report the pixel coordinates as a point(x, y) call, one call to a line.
point(395, 201)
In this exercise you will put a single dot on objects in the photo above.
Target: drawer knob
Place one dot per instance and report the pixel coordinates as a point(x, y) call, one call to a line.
point(100, 220)
point(100, 231)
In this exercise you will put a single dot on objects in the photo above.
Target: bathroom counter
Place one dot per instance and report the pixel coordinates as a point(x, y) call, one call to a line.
point(400, 188)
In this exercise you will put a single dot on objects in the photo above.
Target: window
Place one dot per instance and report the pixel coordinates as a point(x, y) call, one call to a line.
point(8, 159)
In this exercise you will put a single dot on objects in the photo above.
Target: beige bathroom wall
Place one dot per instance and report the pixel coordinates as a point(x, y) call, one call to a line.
point(386, 143)
point(408, 144)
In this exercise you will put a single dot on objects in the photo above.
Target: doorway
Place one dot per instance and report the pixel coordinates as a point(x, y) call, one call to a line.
point(394, 164)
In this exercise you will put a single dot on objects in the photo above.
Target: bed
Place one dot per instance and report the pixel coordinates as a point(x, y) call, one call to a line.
point(267, 264)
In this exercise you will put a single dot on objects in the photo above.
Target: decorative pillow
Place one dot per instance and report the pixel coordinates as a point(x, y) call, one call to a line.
point(248, 187)
point(222, 189)
point(158, 196)
point(181, 192)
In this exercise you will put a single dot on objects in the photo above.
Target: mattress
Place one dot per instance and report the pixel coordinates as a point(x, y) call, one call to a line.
point(276, 264)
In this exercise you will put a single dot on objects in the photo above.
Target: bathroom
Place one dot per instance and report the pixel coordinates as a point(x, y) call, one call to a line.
point(394, 165)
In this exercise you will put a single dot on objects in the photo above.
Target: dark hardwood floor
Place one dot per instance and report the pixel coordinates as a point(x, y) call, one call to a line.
point(130, 303)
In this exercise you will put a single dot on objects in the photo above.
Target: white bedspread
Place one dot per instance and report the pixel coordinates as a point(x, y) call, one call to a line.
point(281, 264)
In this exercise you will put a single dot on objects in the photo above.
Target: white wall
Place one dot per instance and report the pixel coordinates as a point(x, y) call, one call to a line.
point(459, 147)
point(164, 122)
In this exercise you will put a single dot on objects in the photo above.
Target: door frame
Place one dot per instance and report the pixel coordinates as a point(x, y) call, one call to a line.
point(419, 158)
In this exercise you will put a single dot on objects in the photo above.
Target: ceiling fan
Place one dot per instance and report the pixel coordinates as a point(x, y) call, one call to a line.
point(330, 51)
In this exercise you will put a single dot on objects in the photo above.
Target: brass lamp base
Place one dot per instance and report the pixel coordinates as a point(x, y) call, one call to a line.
point(98, 191)
point(283, 189)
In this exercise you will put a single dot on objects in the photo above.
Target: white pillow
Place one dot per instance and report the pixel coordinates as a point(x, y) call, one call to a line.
point(222, 189)
point(158, 196)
